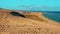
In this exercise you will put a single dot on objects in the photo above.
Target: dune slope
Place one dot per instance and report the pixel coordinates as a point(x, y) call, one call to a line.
point(10, 24)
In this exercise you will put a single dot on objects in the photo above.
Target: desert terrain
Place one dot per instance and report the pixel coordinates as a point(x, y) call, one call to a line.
point(26, 23)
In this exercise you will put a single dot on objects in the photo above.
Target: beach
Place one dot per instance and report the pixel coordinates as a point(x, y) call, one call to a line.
point(31, 23)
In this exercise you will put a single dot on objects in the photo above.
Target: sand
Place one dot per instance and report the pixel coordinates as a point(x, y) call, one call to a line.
point(33, 23)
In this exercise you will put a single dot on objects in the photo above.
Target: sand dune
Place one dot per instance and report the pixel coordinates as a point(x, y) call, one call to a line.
point(33, 23)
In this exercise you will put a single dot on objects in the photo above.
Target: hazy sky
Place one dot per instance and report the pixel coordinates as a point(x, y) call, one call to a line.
point(39, 5)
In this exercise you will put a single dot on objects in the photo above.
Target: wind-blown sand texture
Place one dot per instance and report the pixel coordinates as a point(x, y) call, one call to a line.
point(33, 23)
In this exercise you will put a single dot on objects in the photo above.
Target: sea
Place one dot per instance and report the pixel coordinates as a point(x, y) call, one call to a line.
point(55, 16)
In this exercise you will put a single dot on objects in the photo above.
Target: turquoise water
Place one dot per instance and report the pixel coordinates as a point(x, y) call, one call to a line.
point(53, 16)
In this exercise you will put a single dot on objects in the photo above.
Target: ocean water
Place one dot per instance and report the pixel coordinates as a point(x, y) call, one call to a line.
point(52, 16)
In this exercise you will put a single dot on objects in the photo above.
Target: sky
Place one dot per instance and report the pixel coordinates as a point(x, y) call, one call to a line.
point(34, 5)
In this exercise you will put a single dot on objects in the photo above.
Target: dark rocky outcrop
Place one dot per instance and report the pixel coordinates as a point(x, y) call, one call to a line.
point(17, 14)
